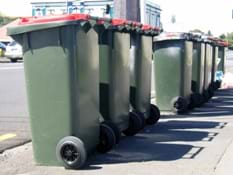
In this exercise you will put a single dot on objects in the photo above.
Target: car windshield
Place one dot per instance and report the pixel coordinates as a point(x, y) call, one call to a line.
point(2, 45)
point(13, 43)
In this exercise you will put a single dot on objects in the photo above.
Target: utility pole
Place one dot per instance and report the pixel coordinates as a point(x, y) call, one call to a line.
point(127, 9)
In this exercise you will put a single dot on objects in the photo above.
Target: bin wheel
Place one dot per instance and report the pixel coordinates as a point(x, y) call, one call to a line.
point(107, 138)
point(154, 115)
point(206, 95)
point(179, 104)
point(211, 91)
point(71, 152)
point(143, 120)
point(115, 129)
point(194, 101)
point(13, 60)
point(135, 124)
point(218, 84)
point(200, 99)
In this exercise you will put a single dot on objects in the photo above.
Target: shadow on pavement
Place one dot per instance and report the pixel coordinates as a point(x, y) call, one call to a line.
point(219, 106)
point(157, 143)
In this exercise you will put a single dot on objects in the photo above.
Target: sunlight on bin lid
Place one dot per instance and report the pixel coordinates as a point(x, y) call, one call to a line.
point(53, 18)
point(172, 36)
point(219, 42)
point(29, 24)
point(119, 22)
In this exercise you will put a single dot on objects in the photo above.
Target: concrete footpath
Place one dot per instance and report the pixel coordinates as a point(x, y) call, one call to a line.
point(198, 143)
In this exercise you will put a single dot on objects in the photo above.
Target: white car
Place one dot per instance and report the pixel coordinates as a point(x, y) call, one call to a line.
point(14, 51)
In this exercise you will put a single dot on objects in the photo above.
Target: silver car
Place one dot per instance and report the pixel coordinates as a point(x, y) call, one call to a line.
point(14, 51)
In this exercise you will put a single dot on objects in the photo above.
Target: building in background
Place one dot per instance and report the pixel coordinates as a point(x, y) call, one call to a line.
point(145, 11)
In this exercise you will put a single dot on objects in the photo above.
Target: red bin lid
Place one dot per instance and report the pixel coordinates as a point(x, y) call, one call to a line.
point(53, 18)
point(118, 22)
point(146, 27)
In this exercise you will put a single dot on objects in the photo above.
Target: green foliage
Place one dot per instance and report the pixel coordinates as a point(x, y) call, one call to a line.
point(173, 19)
point(197, 31)
point(222, 36)
point(227, 37)
point(5, 20)
point(209, 33)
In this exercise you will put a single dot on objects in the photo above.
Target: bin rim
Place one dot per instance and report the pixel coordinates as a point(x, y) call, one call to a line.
point(172, 36)
point(30, 24)
point(53, 18)
point(218, 42)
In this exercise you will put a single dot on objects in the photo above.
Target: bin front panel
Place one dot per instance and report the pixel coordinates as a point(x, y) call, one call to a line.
point(104, 63)
point(214, 62)
point(143, 79)
point(186, 69)
point(168, 57)
point(208, 66)
point(48, 71)
point(202, 68)
point(198, 67)
point(222, 57)
point(86, 125)
point(120, 79)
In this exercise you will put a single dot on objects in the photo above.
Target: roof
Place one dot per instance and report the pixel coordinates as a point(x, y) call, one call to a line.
point(3, 31)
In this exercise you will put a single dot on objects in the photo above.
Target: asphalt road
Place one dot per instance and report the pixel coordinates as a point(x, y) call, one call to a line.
point(14, 121)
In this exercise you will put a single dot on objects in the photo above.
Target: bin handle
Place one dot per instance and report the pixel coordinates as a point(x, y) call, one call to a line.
point(60, 43)
point(28, 41)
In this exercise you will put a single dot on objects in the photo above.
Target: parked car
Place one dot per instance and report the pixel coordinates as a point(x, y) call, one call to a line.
point(2, 49)
point(14, 51)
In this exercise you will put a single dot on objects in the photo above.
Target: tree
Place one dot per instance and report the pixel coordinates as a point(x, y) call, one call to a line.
point(222, 36)
point(173, 19)
point(5, 19)
point(209, 33)
point(196, 31)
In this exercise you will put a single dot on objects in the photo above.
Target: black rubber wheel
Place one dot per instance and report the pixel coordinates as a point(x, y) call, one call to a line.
point(13, 60)
point(71, 152)
point(107, 138)
point(194, 101)
point(115, 129)
point(201, 100)
point(179, 105)
point(154, 115)
point(206, 95)
point(135, 124)
point(218, 84)
point(211, 91)
point(143, 120)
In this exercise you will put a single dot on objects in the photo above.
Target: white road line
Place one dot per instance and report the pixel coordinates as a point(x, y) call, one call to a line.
point(11, 68)
point(7, 136)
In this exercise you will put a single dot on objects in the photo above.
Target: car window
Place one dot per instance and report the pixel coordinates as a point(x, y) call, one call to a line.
point(13, 43)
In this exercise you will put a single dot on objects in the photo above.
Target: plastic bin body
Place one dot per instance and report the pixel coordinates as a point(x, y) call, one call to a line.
point(140, 73)
point(208, 66)
point(222, 57)
point(62, 79)
point(173, 71)
point(114, 77)
point(198, 67)
point(214, 63)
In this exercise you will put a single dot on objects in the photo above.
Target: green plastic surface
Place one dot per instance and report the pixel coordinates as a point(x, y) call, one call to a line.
point(115, 77)
point(173, 71)
point(141, 65)
point(198, 67)
point(62, 80)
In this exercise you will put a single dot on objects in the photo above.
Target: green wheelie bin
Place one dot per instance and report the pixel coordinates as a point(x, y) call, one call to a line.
point(222, 45)
point(214, 65)
point(173, 71)
point(114, 88)
point(207, 90)
point(61, 62)
point(140, 72)
point(198, 60)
